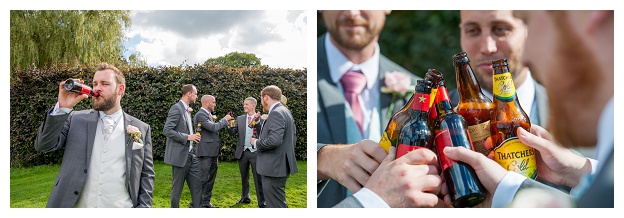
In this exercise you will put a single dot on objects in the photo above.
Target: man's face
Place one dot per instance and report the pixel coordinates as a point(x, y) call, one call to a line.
point(491, 35)
point(104, 82)
point(212, 103)
point(354, 29)
point(564, 61)
point(193, 96)
point(249, 107)
point(265, 105)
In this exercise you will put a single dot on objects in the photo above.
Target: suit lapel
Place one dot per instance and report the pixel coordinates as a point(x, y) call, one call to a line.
point(91, 128)
point(128, 146)
point(332, 99)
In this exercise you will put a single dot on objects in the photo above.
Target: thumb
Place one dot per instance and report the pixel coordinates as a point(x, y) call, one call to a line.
point(462, 154)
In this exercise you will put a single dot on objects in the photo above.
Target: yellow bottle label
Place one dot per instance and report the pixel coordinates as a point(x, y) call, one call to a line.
point(479, 133)
point(385, 142)
point(514, 155)
point(432, 96)
point(504, 88)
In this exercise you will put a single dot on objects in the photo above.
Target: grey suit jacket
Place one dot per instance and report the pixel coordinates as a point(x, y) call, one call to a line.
point(276, 144)
point(599, 194)
point(241, 122)
point(176, 130)
point(541, 99)
point(331, 125)
point(75, 132)
point(209, 145)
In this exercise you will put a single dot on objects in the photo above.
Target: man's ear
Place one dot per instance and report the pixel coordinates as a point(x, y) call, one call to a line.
point(122, 89)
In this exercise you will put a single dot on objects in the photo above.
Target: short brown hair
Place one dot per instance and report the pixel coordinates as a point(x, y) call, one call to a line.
point(252, 100)
point(119, 77)
point(273, 92)
point(187, 88)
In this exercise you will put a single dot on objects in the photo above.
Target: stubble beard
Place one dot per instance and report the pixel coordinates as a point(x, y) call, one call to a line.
point(354, 40)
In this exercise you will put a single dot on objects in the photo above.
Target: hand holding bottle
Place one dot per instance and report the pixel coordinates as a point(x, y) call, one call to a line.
point(194, 137)
point(351, 165)
point(67, 99)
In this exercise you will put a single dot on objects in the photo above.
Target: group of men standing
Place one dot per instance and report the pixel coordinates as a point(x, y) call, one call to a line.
point(108, 159)
point(194, 155)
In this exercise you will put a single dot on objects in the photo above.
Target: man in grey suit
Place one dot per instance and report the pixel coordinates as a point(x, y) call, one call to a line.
point(209, 146)
point(276, 148)
point(180, 148)
point(348, 156)
point(245, 153)
point(581, 100)
point(103, 165)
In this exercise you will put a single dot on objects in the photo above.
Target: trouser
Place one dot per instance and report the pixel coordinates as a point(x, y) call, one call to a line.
point(190, 174)
point(208, 168)
point(274, 189)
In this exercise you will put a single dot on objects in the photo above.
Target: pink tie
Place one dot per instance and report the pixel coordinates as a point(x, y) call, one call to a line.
point(353, 82)
point(248, 120)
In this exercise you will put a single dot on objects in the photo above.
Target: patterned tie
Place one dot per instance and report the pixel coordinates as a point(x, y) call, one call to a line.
point(248, 120)
point(108, 126)
point(353, 82)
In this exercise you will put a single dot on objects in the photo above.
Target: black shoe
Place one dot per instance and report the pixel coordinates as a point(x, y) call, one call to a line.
point(263, 206)
point(244, 201)
point(209, 205)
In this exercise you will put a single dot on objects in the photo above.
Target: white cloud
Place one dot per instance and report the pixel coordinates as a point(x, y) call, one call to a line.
point(278, 38)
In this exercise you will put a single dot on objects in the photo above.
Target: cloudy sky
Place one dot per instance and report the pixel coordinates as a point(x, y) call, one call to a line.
point(278, 38)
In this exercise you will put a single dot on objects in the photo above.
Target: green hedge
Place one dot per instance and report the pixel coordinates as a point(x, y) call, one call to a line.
point(149, 94)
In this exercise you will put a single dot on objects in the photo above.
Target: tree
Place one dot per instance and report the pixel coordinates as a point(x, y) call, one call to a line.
point(235, 59)
point(44, 38)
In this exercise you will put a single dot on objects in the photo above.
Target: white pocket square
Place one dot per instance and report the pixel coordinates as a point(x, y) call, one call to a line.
point(136, 145)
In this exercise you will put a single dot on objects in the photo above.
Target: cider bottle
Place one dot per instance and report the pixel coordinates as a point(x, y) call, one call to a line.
point(198, 129)
point(416, 133)
point(509, 151)
point(74, 86)
point(473, 105)
point(390, 136)
point(450, 130)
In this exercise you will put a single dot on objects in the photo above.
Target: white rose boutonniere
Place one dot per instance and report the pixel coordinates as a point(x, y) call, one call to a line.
point(134, 132)
point(398, 84)
point(214, 117)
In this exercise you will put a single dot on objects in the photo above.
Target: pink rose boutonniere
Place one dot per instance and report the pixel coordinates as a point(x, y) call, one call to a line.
point(398, 84)
point(134, 132)
point(189, 109)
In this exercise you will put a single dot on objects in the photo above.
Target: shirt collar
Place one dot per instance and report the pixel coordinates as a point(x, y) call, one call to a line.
point(273, 106)
point(339, 64)
point(115, 115)
point(202, 108)
point(184, 104)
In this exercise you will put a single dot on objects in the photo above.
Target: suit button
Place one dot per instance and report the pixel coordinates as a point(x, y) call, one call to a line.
point(85, 170)
point(76, 192)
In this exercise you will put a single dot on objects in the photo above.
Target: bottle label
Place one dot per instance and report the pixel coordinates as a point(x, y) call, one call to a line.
point(515, 156)
point(479, 134)
point(421, 102)
point(404, 149)
point(504, 88)
point(385, 142)
point(442, 140)
point(432, 96)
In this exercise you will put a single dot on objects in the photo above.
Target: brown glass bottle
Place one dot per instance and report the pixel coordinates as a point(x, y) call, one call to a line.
point(232, 122)
point(473, 105)
point(390, 136)
point(509, 151)
point(416, 133)
point(74, 86)
point(254, 120)
point(450, 130)
point(435, 77)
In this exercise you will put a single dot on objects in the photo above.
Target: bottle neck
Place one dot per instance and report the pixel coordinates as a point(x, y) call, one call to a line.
point(443, 103)
point(504, 88)
point(467, 83)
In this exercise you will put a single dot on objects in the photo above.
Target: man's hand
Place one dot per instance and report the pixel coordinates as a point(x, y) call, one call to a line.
point(67, 99)
point(228, 117)
point(410, 181)
point(350, 165)
point(252, 141)
point(194, 137)
point(555, 164)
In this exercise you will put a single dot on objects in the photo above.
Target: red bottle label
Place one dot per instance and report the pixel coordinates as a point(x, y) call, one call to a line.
point(442, 140)
point(404, 149)
point(421, 102)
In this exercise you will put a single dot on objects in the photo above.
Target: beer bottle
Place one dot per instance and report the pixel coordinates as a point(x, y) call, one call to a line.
point(232, 122)
point(198, 128)
point(473, 105)
point(390, 135)
point(434, 77)
point(509, 151)
point(254, 120)
point(74, 86)
point(450, 131)
point(416, 133)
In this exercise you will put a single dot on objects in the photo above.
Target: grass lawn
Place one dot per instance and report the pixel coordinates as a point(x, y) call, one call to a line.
point(31, 187)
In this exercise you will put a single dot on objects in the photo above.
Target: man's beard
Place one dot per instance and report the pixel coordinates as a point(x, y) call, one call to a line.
point(573, 104)
point(344, 38)
point(107, 104)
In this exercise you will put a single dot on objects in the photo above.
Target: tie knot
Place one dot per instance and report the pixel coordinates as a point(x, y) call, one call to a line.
point(108, 124)
point(353, 82)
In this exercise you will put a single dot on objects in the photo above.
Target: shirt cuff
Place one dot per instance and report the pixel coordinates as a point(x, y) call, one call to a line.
point(369, 199)
point(59, 110)
point(506, 189)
